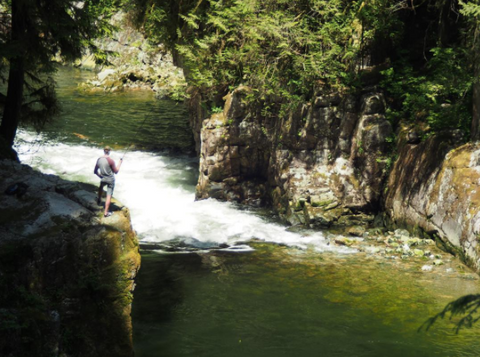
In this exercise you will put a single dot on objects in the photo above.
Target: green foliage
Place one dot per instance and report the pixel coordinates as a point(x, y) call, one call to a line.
point(217, 109)
point(470, 9)
point(437, 94)
point(285, 51)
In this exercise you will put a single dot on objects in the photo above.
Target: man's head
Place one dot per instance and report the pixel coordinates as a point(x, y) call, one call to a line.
point(107, 150)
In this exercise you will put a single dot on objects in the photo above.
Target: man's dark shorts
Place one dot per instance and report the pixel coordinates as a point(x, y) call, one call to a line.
point(110, 185)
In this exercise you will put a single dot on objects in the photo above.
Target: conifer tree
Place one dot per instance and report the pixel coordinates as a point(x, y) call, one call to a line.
point(33, 34)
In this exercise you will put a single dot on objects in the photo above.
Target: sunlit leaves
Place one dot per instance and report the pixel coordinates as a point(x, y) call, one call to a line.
point(283, 49)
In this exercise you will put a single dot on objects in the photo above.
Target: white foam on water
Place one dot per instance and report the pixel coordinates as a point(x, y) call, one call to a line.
point(153, 186)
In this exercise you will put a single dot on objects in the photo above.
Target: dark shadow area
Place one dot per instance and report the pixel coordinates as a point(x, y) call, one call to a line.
point(159, 291)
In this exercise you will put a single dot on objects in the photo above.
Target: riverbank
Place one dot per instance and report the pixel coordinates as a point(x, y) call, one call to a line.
point(66, 273)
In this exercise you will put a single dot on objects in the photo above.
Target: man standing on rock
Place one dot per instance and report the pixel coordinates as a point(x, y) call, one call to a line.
point(107, 169)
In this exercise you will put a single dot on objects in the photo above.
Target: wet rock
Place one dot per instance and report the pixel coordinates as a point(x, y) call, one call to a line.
point(413, 241)
point(418, 252)
point(343, 241)
point(375, 231)
point(105, 73)
point(138, 65)
point(373, 250)
point(356, 231)
point(399, 233)
point(308, 162)
point(438, 262)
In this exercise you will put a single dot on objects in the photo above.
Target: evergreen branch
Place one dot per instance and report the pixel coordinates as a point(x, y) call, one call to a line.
point(467, 305)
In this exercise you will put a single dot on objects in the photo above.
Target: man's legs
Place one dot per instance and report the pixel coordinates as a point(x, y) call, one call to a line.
point(107, 204)
point(110, 187)
point(100, 192)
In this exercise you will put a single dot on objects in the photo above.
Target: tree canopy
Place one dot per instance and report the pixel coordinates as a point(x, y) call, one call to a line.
point(284, 50)
point(287, 51)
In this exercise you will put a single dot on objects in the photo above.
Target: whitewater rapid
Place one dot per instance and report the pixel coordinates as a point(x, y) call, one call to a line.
point(159, 190)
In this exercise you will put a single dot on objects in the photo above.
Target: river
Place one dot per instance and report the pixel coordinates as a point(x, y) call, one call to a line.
point(219, 279)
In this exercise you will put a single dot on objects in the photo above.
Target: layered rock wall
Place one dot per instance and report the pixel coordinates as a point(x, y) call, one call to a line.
point(326, 165)
point(435, 185)
point(66, 273)
point(322, 166)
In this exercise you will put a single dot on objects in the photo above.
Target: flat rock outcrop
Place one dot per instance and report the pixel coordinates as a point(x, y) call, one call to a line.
point(66, 273)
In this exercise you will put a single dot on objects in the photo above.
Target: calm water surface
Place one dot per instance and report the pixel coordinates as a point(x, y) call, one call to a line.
point(294, 296)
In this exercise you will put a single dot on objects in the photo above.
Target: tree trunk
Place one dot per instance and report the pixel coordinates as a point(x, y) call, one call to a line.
point(16, 76)
point(13, 106)
point(444, 22)
point(475, 129)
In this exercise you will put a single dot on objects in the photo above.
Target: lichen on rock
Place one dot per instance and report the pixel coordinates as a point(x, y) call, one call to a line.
point(435, 185)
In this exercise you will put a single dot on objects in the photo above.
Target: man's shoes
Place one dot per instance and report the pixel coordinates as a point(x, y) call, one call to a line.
point(108, 214)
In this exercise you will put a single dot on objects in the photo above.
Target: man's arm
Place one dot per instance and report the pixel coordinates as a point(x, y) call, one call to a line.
point(115, 169)
point(95, 170)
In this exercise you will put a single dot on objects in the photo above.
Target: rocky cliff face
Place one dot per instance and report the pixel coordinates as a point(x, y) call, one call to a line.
point(66, 273)
point(435, 185)
point(323, 166)
point(137, 64)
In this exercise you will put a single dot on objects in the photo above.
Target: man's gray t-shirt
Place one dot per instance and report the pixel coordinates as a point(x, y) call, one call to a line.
point(106, 166)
